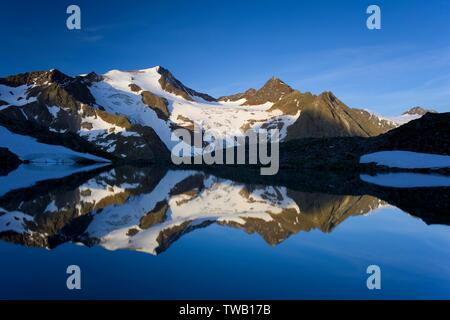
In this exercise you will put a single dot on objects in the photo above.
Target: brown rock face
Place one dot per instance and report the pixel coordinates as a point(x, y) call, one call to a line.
point(290, 105)
point(317, 211)
point(157, 215)
point(418, 111)
point(171, 84)
point(191, 185)
point(326, 116)
point(134, 87)
point(273, 91)
point(36, 77)
point(238, 96)
point(156, 103)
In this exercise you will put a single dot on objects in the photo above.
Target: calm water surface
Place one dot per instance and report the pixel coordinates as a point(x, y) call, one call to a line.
point(146, 233)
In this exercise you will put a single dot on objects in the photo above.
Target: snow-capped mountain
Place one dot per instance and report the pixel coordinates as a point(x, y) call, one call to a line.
point(135, 94)
point(411, 114)
point(60, 110)
point(131, 115)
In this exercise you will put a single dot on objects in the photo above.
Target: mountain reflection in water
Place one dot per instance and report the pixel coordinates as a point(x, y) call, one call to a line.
point(147, 209)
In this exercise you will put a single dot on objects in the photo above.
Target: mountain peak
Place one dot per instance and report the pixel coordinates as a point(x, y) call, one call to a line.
point(150, 70)
point(272, 91)
point(161, 70)
point(37, 78)
point(171, 84)
point(275, 81)
point(92, 77)
point(328, 95)
point(238, 96)
point(418, 111)
point(276, 85)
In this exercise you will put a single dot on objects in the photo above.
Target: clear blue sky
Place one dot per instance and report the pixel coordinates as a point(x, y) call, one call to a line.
point(222, 47)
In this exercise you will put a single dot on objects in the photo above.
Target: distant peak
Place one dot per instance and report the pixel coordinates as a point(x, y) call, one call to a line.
point(168, 76)
point(55, 72)
point(276, 84)
point(52, 75)
point(272, 91)
point(418, 111)
point(92, 77)
point(163, 71)
point(275, 80)
point(171, 84)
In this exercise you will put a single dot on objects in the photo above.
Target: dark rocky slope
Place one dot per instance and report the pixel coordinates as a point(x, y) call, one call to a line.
point(8, 161)
point(171, 84)
point(429, 134)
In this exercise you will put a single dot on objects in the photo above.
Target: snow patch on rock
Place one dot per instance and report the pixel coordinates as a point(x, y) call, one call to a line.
point(27, 148)
point(15, 96)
